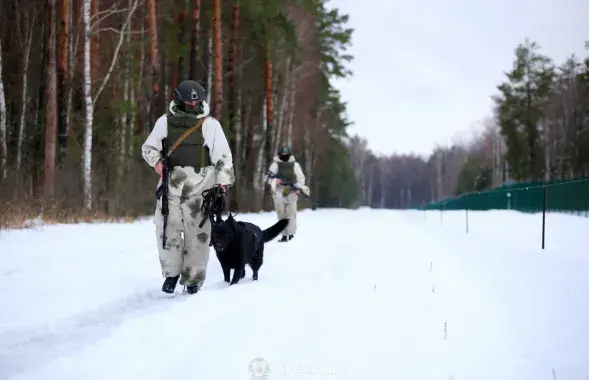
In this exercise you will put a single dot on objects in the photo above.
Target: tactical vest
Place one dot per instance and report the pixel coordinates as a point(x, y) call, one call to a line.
point(191, 151)
point(286, 172)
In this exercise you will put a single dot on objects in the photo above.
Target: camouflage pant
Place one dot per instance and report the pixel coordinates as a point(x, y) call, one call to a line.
point(286, 208)
point(187, 245)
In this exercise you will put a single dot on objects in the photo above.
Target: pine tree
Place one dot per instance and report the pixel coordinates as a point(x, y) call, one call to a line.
point(520, 109)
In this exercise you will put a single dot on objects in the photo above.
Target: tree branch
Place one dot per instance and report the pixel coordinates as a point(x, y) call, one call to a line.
point(239, 67)
point(116, 53)
point(118, 31)
point(103, 15)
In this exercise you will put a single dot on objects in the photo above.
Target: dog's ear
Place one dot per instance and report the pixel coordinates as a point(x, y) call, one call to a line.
point(232, 223)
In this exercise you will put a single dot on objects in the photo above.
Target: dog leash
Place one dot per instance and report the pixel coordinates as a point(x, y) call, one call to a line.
point(213, 205)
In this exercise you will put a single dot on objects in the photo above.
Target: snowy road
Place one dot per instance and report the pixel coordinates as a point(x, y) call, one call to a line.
point(357, 295)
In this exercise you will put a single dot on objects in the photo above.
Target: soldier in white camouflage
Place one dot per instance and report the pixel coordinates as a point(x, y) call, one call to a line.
point(201, 161)
point(286, 180)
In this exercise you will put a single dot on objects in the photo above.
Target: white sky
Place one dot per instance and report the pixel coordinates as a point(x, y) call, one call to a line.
point(424, 70)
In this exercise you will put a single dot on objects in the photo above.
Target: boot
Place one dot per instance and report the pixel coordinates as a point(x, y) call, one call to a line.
point(191, 289)
point(170, 284)
point(284, 239)
point(290, 237)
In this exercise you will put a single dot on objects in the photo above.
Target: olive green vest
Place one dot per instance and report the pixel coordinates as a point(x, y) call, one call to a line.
point(286, 171)
point(191, 151)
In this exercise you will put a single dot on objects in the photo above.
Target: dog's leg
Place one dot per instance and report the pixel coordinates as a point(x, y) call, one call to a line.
point(226, 272)
point(237, 275)
point(257, 262)
point(243, 273)
point(255, 265)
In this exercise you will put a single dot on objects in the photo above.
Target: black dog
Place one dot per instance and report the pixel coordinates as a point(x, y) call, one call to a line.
point(241, 243)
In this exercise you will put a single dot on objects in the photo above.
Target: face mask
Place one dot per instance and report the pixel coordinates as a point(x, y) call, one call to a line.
point(195, 108)
point(284, 157)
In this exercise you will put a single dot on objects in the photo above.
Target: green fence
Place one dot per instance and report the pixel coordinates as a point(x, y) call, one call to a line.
point(570, 196)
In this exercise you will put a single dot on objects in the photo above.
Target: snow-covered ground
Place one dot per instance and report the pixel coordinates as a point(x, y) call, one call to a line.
point(363, 294)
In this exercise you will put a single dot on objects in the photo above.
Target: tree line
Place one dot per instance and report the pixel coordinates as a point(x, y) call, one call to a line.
point(538, 131)
point(83, 81)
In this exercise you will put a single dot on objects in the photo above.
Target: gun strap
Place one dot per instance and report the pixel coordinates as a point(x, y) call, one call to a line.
point(186, 134)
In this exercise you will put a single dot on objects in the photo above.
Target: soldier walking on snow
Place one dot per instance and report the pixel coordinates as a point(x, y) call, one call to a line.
point(199, 158)
point(287, 180)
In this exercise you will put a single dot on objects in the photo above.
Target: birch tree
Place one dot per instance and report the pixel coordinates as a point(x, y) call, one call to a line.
point(24, 97)
point(3, 152)
point(91, 101)
point(51, 104)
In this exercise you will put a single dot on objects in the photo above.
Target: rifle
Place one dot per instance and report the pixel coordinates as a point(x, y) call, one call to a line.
point(164, 189)
point(293, 186)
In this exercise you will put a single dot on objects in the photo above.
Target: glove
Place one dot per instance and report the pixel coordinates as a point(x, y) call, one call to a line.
point(159, 168)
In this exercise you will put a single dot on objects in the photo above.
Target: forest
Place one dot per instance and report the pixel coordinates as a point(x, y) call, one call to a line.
point(83, 81)
point(538, 130)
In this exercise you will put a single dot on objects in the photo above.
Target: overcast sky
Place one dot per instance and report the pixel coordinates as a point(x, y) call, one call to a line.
point(424, 70)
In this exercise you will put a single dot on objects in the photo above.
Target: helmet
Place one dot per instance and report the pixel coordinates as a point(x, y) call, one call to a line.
point(189, 95)
point(284, 153)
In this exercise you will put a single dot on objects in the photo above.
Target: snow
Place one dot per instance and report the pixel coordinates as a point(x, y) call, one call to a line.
point(358, 294)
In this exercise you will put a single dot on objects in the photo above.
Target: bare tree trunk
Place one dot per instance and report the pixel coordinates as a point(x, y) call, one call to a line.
point(51, 105)
point(87, 150)
point(234, 97)
point(269, 108)
point(154, 58)
point(218, 58)
point(3, 153)
point(90, 102)
point(308, 149)
point(115, 57)
point(381, 169)
point(179, 74)
point(125, 117)
point(370, 188)
point(260, 162)
point(209, 74)
point(249, 155)
point(195, 39)
point(94, 42)
point(24, 100)
point(73, 50)
point(292, 105)
point(63, 74)
point(284, 102)
point(135, 126)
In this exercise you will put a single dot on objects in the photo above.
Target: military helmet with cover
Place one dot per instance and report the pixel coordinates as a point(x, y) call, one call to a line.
point(284, 153)
point(189, 95)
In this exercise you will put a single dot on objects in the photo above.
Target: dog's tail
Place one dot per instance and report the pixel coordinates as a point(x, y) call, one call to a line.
point(273, 231)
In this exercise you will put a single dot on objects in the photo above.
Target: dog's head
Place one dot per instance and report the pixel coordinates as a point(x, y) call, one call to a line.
point(224, 233)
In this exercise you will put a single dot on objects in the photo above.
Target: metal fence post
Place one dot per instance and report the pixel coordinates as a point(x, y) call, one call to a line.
point(466, 210)
point(543, 214)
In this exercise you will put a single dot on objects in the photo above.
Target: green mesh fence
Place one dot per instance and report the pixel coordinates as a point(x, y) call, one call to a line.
point(561, 196)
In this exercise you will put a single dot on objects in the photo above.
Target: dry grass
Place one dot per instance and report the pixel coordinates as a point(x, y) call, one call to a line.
point(27, 215)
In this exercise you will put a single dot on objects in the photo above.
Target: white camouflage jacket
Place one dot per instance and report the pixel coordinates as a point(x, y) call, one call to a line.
point(273, 182)
point(185, 181)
